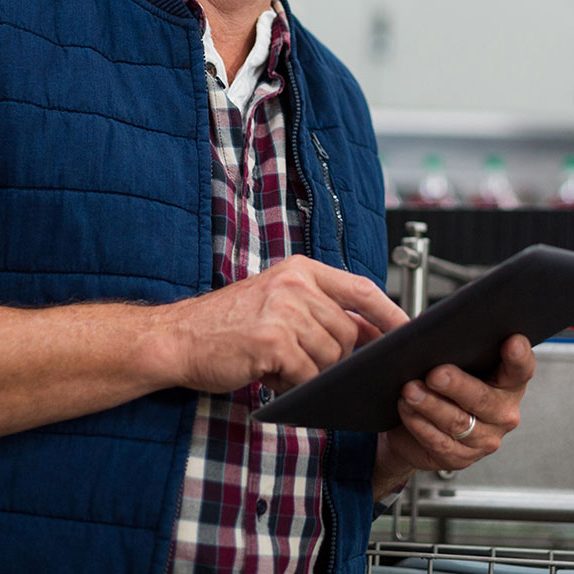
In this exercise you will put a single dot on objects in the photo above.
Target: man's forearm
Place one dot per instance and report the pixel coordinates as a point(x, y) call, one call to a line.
point(63, 362)
point(282, 326)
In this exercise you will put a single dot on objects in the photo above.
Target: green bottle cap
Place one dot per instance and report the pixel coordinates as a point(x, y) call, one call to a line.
point(569, 163)
point(433, 162)
point(494, 163)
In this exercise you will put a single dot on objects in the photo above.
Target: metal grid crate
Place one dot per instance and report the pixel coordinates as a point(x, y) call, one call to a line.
point(386, 557)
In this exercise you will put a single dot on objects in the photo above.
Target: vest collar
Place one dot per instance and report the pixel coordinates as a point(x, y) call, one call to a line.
point(179, 8)
point(174, 7)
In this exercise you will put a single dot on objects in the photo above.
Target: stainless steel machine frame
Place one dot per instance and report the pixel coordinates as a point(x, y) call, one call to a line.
point(550, 560)
point(416, 263)
point(414, 259)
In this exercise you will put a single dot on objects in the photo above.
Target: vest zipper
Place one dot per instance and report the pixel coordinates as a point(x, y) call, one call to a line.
point(304, 207)
point(179, 502)
point(330, 505)
point(335, 200)
point(307, 208)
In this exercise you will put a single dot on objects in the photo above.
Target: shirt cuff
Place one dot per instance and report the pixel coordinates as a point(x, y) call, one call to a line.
point(382, 505)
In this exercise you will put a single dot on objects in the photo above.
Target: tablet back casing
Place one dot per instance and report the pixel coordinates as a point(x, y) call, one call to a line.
point(531, 293)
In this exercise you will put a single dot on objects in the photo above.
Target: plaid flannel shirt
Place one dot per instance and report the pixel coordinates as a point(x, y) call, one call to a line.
point(252, 492)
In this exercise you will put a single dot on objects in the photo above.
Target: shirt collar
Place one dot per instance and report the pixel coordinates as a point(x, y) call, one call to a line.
point(277, 43)
point(280, 38)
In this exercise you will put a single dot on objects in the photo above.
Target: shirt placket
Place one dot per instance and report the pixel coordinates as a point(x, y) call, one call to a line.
point(260, 486)
point(255, 538)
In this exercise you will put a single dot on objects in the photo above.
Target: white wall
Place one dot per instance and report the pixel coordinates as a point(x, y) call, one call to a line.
point(497, 55)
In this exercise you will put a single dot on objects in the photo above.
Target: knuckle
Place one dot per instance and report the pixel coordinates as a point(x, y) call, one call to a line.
point(334, 354)
point(289, 279)
point(511, 419)
point(296, 369)
point(363, 286)
point(287, 310)
point(263, 365)
point(271, 346)
point(349, 337)
point(273, 338)
point(397, 314)
point(491, 445)
point(297, 261)
point(441, 445)
point(296, 278)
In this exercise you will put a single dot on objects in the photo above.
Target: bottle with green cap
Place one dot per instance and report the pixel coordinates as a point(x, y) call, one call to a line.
point(435, 189)
point(565, 196)
point(495, 191)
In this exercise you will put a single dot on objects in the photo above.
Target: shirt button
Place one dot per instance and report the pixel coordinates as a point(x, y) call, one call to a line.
point(264, 394)
point(211, 69)
point(261, 507)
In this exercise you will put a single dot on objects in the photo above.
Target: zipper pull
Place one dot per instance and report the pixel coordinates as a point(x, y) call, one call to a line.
point(303, 206)
point(320, 149)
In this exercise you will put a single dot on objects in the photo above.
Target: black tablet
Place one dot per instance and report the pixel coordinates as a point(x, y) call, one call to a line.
point(531, 293)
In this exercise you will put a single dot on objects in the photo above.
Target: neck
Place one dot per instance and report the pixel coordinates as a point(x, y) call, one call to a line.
point(233, 29)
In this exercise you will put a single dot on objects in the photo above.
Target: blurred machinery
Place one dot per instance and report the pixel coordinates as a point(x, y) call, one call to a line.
point(530, 480)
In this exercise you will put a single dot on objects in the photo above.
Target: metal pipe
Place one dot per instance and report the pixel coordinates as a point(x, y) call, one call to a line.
point(414, 259)
point(450, 270)
point(412, 256)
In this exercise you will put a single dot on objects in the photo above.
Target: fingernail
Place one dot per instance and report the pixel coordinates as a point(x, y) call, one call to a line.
point(414, 393)
point(517, 350)
point(440, 380)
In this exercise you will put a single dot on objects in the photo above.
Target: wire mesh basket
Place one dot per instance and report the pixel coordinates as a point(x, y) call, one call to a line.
point(410, 558)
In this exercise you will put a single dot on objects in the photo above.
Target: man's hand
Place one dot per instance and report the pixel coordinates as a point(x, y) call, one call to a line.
point(437, 409)
point(283, 327)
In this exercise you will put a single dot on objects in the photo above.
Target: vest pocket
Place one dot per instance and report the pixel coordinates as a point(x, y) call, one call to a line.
point(323, 158)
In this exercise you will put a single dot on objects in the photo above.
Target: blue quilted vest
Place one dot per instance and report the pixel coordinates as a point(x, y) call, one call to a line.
point(105, 194)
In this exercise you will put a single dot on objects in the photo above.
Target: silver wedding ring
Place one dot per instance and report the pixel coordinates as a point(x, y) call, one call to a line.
point(468, 431)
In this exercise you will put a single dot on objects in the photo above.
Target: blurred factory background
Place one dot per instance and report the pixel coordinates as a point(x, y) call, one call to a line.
point(462, 82)
point(508, 56)
point(473, 105)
